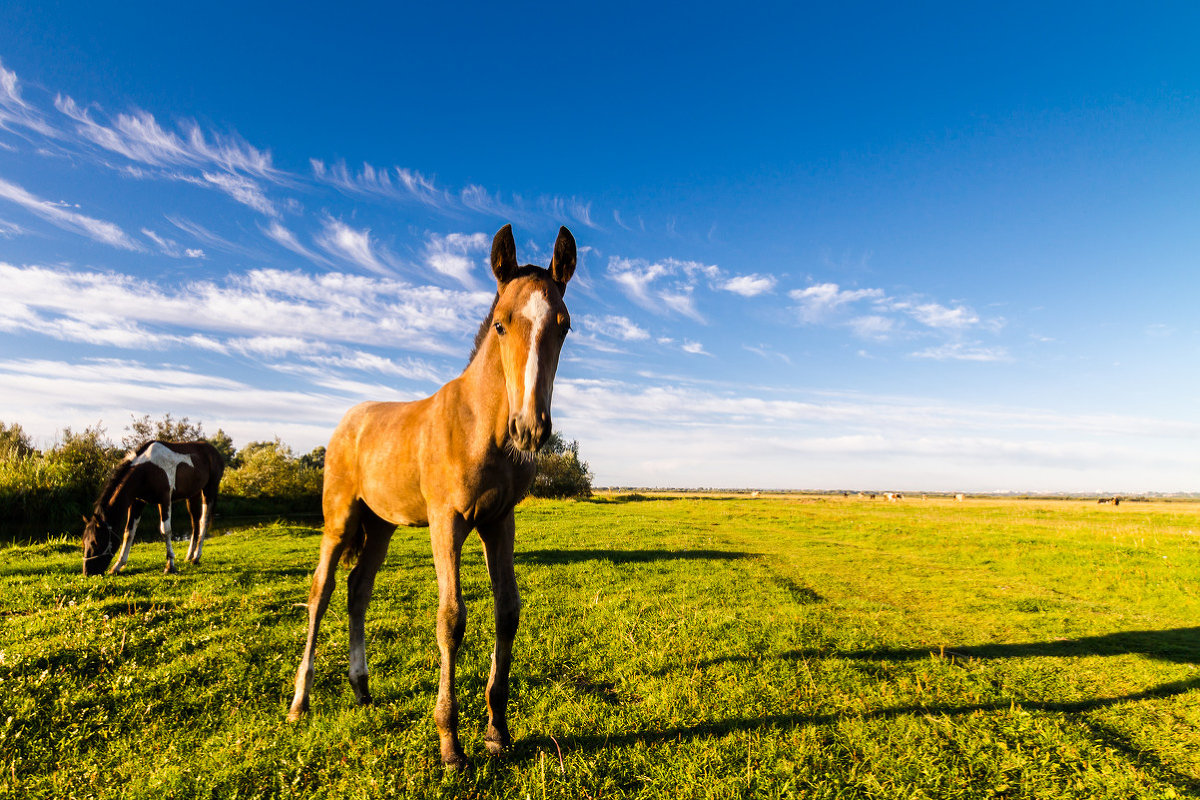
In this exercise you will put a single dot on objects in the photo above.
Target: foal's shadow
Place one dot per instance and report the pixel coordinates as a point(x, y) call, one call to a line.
point(544, 557)
point(1179, 645)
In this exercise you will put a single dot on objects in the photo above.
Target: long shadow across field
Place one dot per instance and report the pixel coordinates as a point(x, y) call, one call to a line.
point(542, 557)
point(1180, 645)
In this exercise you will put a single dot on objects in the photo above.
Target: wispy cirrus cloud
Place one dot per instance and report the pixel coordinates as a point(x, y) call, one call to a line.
point(138, 137)
point(287, 239)
point(353, 245)
point(395, 183)
point(98, 230)
point(15, 111)
point(243, 190)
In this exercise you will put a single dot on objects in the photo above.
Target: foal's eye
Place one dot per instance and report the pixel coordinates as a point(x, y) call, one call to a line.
point(499, 328)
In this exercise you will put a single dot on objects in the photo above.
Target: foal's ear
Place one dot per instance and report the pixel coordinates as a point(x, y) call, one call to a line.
point(562, 265)
point(504, 255)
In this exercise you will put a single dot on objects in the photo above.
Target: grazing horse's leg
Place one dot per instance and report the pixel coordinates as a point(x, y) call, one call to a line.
point(447, 532)
point(194, 514)
point(341, 524)
point(378, 533)
point(498, 550)
point(207, 497)
point(131, 524)
point(164, 514)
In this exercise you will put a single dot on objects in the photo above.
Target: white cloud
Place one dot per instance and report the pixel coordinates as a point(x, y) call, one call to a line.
point(105, 307)
point(872, 326)
point(54, 213)
point(935, 315)
point(960, 351)
point(614, 327)
point(686, 435)
point(822, 300)
point(695, 348)
point(749, 285)
point(637, 278)
point(458, 255)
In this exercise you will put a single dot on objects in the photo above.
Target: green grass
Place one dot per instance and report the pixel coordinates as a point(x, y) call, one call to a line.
point(669, 647)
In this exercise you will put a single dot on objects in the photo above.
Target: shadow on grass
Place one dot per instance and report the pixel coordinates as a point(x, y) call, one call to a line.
point(542, 557)
point(1181, 645)
point(527, 750)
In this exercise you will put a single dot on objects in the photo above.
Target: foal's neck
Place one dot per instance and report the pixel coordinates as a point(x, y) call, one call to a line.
point(484, 395)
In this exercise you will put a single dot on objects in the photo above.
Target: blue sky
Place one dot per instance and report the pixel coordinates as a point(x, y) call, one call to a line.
point(929, 247)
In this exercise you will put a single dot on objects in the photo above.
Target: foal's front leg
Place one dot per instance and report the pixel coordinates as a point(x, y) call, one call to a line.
point(498, 550)
point(447, 535)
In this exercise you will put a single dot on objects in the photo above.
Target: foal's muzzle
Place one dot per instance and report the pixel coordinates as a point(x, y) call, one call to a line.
point(526, 436)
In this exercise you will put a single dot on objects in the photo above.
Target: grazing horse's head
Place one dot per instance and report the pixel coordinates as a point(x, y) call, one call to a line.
point(530, 322)
point(99, 544)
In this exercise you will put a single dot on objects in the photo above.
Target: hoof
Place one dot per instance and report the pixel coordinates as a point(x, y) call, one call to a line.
point(294, 715)
point(455, 763)
point(170, 570)
point(497, 742)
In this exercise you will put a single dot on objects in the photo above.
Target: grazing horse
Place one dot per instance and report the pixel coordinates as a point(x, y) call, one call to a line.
point(456, 461)
point(158, 473)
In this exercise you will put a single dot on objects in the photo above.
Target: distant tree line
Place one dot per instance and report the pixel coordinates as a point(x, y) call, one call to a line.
point(57, 486)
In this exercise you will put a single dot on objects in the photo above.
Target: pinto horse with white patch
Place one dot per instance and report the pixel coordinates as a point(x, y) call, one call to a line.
point(457, 461)
point(158, 473)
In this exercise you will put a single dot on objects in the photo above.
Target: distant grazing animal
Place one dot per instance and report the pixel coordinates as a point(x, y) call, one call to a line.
point(958, 498)
point(158, 473)
point(457, 461)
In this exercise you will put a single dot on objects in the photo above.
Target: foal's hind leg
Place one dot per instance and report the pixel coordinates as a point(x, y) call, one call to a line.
point(498, 550)
point(377, 534)
point(341, 522)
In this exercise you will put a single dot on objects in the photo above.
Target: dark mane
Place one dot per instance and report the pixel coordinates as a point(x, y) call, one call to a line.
point(118, 475)
point(485, 326)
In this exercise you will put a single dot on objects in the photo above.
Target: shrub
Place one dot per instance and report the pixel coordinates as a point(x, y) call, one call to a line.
point(560, 473)
point(271, 479)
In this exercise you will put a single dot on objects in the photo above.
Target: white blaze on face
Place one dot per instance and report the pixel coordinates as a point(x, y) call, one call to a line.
point(537, 311)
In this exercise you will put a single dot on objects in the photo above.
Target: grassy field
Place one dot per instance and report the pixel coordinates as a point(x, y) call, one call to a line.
point(669, 647)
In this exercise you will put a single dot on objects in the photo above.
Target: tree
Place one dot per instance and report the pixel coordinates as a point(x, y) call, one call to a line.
point(14, 442)
point(315, 459)
point(167, 429)
point(560, 473)
point(224, 445)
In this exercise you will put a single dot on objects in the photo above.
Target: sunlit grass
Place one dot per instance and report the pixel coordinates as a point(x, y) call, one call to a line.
point(769, 647)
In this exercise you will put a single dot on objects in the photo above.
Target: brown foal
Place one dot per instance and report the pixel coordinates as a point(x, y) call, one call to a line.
point(457, 461)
